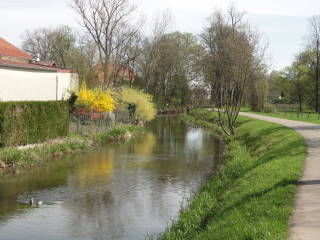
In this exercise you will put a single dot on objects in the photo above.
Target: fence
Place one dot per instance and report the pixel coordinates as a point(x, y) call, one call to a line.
point(287, 107)
point(292, 111)
point(300, 115)
point(91, 123)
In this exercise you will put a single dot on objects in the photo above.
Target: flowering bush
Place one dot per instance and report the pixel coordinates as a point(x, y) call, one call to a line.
point(95, 100)
point(138, 103)
point(85, 96)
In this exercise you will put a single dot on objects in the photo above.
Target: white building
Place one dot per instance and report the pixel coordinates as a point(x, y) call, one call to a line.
point(24, 79)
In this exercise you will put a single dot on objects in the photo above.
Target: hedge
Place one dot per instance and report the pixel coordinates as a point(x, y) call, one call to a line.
point(24, 123)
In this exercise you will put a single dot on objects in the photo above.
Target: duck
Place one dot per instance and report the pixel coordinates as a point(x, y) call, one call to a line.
point(32, 202)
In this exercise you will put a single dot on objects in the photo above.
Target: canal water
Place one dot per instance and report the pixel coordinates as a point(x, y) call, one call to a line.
point(123, 191)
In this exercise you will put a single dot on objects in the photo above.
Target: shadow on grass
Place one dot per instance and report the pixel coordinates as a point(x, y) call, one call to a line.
point(303, 128)
point(237, 205)
point(241, 122)
point(277, 153)
point(309, 182)
point(251, 141)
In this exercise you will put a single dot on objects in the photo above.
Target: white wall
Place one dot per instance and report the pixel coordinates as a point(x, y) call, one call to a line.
point(67, 82)
point(33, 85)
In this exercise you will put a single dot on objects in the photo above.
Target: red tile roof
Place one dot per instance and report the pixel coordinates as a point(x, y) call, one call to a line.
point(32, 66)
point(8, 49)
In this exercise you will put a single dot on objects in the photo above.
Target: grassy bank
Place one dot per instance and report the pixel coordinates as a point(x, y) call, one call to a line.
point(13, 159)
point(252, 195)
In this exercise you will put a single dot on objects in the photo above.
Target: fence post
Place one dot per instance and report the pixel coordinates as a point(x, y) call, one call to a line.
point(78, 125)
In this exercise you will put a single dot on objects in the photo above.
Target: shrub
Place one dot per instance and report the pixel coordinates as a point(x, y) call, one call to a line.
point(31, 122)
point(203, 114)
point(95, 100)
point(118, 133)
point(138, 103)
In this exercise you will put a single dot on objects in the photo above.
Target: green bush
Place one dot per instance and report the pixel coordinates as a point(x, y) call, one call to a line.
point(138, 103)
point(32, 122)
point(203, 114)
point(118, 133)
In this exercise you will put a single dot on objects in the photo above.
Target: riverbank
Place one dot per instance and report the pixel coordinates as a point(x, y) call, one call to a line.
point(252, 195)
point(14, 159)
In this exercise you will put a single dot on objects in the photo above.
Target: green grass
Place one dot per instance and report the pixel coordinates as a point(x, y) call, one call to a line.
point(302, 117)
point(13, 157)
point(119, 133)
point(252, 195)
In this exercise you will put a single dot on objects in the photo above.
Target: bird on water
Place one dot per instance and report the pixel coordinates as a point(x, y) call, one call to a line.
point(32, 202)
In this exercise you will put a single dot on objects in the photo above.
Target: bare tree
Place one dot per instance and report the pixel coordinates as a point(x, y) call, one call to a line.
point(232, 57)
point(83, 58)
point(315, 48)
point(109, 24)
point(38, 42)
point(150, 54)
point(52, 44)
point(126, 57)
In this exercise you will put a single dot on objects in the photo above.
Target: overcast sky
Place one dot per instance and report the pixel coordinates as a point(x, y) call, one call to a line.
point(284, 23)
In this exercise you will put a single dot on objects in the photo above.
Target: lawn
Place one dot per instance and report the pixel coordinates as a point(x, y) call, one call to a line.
point(252, 195)
point(303, 117)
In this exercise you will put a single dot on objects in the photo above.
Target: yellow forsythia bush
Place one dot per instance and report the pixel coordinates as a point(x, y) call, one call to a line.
point(144, 108)
point(97, 100)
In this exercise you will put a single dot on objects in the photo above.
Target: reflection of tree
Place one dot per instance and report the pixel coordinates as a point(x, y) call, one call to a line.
point(145, 146)
point(218, 150)
point(98, 166)
point(90, 214)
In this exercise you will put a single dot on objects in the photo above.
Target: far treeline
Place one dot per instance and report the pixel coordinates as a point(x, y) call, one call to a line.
point(299, 83)
point(223, 67)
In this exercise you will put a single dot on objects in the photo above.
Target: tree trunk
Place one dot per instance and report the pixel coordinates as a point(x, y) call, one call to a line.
point(300, 103)
point(317, 77)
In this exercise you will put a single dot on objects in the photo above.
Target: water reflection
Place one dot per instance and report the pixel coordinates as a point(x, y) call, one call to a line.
point(119, 192)
point(93, 172)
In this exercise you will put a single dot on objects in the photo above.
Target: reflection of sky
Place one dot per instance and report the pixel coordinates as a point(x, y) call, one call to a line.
point(194, 140)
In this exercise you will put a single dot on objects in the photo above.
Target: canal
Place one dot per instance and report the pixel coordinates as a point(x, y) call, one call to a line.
point(125, 191)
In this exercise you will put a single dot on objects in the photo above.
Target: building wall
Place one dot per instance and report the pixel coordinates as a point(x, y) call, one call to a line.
point(34, 85)
point(67, 83)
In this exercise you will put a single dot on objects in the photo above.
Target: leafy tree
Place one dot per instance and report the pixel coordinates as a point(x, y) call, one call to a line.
point(173, 68)
point(296, 82)
point(233, 56)
point(314, 48)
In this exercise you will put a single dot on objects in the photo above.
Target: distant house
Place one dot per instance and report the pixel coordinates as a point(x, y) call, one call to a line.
point(23, 78)
point(121, 74)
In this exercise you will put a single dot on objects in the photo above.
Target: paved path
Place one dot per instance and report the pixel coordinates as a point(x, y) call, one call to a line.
point(305, 222)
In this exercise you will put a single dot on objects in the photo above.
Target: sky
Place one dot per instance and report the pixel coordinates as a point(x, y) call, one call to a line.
point(283, 23)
